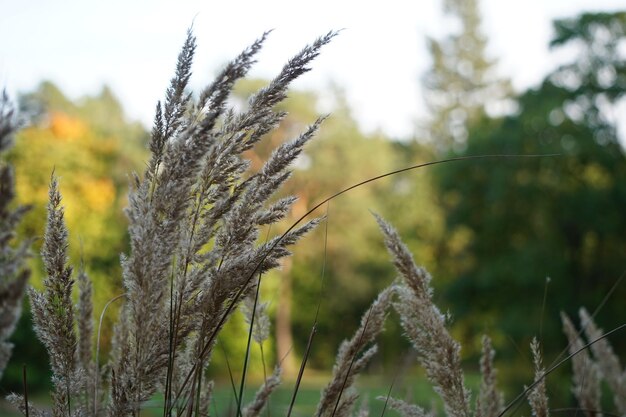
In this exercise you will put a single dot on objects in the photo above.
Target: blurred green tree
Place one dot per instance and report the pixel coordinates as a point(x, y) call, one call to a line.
point(523, 220)
point(462, 83)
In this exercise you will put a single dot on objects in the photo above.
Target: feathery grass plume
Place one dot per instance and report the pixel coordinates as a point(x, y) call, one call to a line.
point(405, 409)
point(537, 397)
point(424, 325)
point(188, 278)
point(262, 396)
point(489, 402)
point(53, 310)
point(364, 409)
point(236, 210)
point(607, 361)
point(13, 273)
point(353, 356)
point(18, 402)
point(156, 214)
point(262, 324)
point(235, 259)
point(156, 210)
point(85, 337)
point(194, 224)
point(168, 118)
point(586, 376)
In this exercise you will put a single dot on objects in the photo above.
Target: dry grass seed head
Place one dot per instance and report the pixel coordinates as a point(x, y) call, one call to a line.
point(348, 363)
point(489, 402)
point(424, 325)
point(606, 359)
point(586, 375)
point(537, 396)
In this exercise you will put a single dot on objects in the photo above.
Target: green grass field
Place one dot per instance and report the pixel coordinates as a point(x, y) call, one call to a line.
point(414, 389)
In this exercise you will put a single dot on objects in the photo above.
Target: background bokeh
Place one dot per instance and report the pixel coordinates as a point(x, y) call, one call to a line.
point(510, 242)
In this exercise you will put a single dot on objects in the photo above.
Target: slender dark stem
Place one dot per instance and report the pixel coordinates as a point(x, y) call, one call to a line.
point(345, 380)
point(248, 344)
point(249, 341)
point(268, 408)
point(96, 376)
point(413, 167)
point(193, 393)
point(543, 310)
point(609, 294)
point(215, 407)
point(24, 382)
point(230, 372)
point(198, 393)
point(585, 410)
point(263, 362)
point(382, 414)
point(170, 353)
point(554, 367)
point(596, 311)
point(69, 398)
point(398, 374)
point(301, 371)
point(314, 327)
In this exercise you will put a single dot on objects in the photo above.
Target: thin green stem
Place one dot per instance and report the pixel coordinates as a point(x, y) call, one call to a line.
point(25, 384)
point(315, 321)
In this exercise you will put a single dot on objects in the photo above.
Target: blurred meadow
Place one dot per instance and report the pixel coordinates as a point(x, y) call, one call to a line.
point(510, 242)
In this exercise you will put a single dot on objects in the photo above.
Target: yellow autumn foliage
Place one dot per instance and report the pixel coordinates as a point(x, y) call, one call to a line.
point(92, 165)
point(99, 194)
point(81, 159)
point(67, 128)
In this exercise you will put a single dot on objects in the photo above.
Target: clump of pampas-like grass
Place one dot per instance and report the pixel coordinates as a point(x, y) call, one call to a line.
point(194, 222)
point(194, 219)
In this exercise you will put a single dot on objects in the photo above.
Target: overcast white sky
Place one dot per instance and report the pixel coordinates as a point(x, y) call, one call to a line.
point(379, 59)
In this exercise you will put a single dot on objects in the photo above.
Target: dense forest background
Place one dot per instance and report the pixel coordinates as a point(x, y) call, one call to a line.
point(511, 242)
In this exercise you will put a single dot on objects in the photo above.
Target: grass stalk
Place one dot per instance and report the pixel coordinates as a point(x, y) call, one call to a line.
point(315, 320)
point(25, 386)
point(553, 368)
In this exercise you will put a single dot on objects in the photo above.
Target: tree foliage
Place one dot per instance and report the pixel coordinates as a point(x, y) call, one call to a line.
point(462, 83)
point(558, 217)
point(91, 145)
point(341, 155)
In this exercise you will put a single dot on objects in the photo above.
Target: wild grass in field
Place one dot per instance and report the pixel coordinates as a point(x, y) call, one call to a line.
point(194, 222)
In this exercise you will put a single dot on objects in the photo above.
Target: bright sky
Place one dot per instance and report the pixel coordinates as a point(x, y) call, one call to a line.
point(378, 60)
